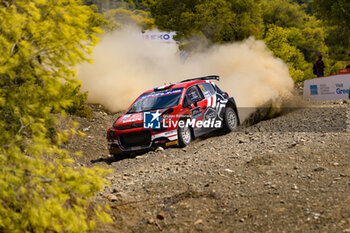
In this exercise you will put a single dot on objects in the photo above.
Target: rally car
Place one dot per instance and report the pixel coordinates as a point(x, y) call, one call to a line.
point(173, 115)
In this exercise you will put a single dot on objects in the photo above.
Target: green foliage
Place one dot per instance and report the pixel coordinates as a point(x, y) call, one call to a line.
point(282, 13)
point(106, 5)
point(78, 99)
point(40, 42)
point(218, 20)
point(142, 4)
point(306, 5)
point(294, 36)
point(336, 15)
point(335, 12)
point(288, 29)
point(277, 40)
point(123, 12)
point(221, 21)
point(122, 16)
point(134, 4)
point(309, 39)
point(332, 66)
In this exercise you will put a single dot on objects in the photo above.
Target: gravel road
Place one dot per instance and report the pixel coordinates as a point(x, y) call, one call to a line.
point(290, 173)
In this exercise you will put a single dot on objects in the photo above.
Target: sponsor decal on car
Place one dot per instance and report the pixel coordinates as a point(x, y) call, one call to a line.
point(196, 112)
point(206, 94)
point(210, 114)
point(125, 116)
point(173, 143)
point(157, 94)
point(201, 87)
point(131, 117)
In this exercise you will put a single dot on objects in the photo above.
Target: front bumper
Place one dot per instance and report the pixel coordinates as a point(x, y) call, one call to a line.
point(132, 141)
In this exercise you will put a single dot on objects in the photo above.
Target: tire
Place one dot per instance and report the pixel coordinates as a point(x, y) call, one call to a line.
point(184, 134)
point(230, 120)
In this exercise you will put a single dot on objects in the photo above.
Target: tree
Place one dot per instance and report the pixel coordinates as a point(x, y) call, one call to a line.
point(122, 16)
point(218, 20)
point(336, 15)
point(306, 5)
point(123, 12)
point(298, 37)
point(283, 13)
point(305, 32)
point(277, 40)
point(41, 41)
point(294, 35)
point(335, 12)
point(223, 21)
point(106, 5)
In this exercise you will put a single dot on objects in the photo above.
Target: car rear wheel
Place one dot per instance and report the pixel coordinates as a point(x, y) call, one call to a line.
point(230, 119)
point(184, 134)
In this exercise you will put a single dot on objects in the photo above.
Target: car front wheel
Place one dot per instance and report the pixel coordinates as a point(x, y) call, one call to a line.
point(184, 134)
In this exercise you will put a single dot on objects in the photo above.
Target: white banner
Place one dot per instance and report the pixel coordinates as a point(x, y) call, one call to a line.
point(160, 36)
point(335, 87)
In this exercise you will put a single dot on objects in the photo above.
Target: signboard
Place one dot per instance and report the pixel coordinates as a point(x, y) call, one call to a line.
point(160, 36)
point(333, 87)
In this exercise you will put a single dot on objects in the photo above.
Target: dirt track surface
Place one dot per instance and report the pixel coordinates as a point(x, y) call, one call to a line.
point(287, 174)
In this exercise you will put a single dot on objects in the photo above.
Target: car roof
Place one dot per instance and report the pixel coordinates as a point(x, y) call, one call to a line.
point(183, 84)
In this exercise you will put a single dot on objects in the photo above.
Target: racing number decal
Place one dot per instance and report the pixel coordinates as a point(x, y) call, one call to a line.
point(202, 88)
point(205, 91)
point(196, 112)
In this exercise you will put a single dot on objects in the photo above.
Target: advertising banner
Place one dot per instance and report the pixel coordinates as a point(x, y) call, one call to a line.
point(335, 87)
point(160, 36)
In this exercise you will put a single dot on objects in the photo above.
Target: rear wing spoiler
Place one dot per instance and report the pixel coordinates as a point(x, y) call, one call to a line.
point(209, 77)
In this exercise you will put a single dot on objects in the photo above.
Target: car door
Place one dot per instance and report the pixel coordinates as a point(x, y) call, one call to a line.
point(195, 101)
point(210, 110)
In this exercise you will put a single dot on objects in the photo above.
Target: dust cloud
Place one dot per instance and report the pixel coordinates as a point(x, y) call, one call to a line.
point(125, 65)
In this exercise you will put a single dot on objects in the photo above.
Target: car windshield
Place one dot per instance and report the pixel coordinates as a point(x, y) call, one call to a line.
point(156, 100)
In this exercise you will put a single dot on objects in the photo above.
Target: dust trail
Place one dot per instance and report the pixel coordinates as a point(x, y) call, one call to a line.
point(125, 65)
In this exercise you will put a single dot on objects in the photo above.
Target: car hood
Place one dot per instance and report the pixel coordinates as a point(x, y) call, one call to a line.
point(127, 119)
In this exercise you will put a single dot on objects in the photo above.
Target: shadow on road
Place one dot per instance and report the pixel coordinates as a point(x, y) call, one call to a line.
point(118, 157)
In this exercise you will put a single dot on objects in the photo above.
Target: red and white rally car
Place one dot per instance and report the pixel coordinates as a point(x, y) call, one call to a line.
point(173, 115)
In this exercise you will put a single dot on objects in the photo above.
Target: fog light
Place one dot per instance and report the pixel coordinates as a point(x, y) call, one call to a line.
point(112, 134)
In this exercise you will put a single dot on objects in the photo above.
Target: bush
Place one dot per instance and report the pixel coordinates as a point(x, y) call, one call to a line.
point(40, 189)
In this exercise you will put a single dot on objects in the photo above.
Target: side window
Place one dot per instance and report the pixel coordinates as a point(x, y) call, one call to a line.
point(207, 89)
point(186, 102)
point(192, 95)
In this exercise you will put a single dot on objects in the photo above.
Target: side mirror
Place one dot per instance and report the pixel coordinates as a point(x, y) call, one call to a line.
point(168, 111)
point(187, 105)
